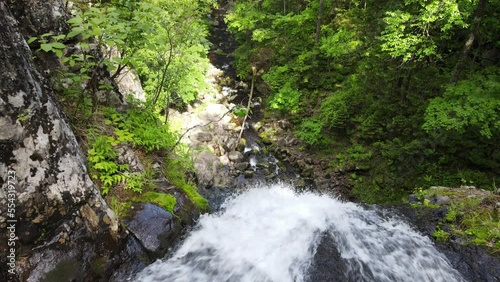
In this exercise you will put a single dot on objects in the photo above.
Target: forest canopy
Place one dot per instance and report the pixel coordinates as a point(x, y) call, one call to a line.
point(414, 84)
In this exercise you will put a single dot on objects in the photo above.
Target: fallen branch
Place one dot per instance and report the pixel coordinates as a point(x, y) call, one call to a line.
point(254, 70)
point(196, 126)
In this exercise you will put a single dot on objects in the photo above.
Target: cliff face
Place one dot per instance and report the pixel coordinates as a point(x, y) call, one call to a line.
point(60, 218)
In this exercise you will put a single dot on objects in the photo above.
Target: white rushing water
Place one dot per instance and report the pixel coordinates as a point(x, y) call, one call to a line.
point(272, 234)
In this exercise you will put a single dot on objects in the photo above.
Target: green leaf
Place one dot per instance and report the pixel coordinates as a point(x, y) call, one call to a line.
point(74, 32)
point(75, 21)
point(32, 39)
point(58, 45)
point(46, 47)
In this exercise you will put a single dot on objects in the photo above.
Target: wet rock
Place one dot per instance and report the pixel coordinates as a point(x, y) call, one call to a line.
point(413, 199)
point(300, 183)
point(242, 143)
point(53, 187)
point(249, 173)
point(152, 226)
point(281, 143)
point(264, 164)
point(257, 126)
point(241, 166)
point(224, 159)
point(204, 136)
point(284, 124)
point(473, 262)
point(213, 112)
point(135, 260)
point(235, 156)
point(271, 176)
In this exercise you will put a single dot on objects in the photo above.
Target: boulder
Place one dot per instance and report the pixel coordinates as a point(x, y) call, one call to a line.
point(249, 173)
point(241, 166)
point(204, 136)
point(128, 83)
point(207, 166)
point(235, 156)
point(442, 200)
point(152, 226)
point(57, 204)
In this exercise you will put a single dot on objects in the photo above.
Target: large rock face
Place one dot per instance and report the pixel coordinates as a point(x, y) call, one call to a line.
point(61, 217)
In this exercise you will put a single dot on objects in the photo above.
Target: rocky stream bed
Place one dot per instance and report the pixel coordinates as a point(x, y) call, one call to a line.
point(69, 233)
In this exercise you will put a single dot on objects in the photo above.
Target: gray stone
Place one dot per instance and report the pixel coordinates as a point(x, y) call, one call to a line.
point(281, 143)
point(126, 155)
point(204, 136)
point(129, 84)
point(271, 176)
point(241, 166)
point(235, 156)
point(442, 200)
point(413, 199)
point(39, 151)
point(257, 126)
point(207, 166)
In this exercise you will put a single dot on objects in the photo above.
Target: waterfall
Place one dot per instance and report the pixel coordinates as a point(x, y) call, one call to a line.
point(272, 234)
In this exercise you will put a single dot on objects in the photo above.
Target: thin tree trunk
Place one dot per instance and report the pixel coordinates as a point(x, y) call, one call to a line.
point(254, 72)
point(164, 75)
point(318, 22)
point(459, 67)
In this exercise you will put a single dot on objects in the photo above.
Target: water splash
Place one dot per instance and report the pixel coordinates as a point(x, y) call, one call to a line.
point(253, 162)
point(270, 234)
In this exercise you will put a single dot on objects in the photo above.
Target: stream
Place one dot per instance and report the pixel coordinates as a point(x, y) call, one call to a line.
point(271, 233)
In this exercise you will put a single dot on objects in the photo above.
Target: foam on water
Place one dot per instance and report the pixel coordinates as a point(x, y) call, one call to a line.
point(271, 234)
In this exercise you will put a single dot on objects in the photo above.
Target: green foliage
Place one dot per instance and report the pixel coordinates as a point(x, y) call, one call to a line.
point(309, 131)
point(340, 43)
point(141, 128)
point(102, 162)
point(168, 50)
point(441, 235)
point(121, 208)
point(379, 88)
point(476, 222)
point(174, 63)
point(240, 111)
point(334, 110)
point(50, 43)
point(413, 32)
point(470, 107)
point(286, 99)
point(359, 153)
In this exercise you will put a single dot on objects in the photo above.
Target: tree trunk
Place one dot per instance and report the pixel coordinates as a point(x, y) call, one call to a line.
point(318, 22)
point(459, 67)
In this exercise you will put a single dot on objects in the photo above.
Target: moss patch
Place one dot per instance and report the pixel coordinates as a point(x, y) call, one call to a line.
point(473, 214)
point(165, 201)
point(176, 171)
